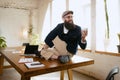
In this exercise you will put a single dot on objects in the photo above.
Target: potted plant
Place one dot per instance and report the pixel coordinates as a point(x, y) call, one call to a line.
point(2, 42)
point(119, 43)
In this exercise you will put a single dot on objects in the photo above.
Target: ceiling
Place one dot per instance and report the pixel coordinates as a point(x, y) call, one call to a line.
point(19, 4)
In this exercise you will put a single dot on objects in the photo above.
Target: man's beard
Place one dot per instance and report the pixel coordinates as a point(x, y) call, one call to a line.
point(69, 25)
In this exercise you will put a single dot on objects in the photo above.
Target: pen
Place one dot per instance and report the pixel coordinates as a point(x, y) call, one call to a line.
point(35, 64)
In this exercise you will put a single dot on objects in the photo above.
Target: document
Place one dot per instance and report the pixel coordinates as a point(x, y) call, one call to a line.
point(25, 60)
point(36, 64)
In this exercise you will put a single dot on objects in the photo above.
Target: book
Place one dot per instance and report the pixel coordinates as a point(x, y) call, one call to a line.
point(35, 64)
point(25, 60)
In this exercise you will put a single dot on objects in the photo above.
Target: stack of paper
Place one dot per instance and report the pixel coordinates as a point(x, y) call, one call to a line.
point(34, 64)
point(25, 60)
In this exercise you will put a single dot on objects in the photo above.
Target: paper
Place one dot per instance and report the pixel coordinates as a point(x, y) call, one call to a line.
point(16, 52)
point(34, 65)
point(25, 60)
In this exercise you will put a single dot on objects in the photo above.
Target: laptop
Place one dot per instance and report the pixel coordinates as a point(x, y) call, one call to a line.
point(31, 50)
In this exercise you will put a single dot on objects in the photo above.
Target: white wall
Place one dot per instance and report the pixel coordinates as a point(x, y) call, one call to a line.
point(15, 19)
point(12, 21)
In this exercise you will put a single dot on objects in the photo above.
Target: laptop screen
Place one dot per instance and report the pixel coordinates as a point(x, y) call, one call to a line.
point(31, 49)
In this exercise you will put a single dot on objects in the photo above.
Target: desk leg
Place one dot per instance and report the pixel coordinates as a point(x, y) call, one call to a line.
point(1, 64)
point(25, 78)
point(70, 76)
point(62, 75)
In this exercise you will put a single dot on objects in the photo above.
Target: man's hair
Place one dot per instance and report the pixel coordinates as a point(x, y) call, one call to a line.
point(67, 12)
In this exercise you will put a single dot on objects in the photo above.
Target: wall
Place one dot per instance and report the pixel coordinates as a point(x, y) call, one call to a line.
point(14, 19)
point(103, 64)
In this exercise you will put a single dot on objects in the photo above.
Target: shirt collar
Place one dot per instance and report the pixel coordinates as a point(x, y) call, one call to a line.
point(65, 30)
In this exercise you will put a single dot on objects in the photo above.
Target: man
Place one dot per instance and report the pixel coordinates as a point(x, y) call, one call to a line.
point(64, 38)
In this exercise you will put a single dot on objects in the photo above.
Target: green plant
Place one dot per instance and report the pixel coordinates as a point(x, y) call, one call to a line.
point(30, 30)
point(2, 42)
point(34, 39)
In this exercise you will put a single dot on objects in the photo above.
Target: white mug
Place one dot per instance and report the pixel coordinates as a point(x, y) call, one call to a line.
point(84, 32)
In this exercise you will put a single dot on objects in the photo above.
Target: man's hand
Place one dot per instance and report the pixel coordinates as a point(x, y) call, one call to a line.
point(45, 46)
point(84, 33)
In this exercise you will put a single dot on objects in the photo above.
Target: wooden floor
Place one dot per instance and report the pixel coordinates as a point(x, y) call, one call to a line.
point(12, 74)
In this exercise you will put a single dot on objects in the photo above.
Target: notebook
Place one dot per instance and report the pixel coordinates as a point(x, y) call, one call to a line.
point(36, 64)
point(31, 50)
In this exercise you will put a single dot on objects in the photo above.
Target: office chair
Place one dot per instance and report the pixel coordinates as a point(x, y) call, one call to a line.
point(112, 73)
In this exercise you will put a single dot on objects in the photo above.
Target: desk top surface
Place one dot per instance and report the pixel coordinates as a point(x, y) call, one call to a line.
point(13, 55)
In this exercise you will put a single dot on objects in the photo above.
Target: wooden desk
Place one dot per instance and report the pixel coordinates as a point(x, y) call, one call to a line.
point(50, 66)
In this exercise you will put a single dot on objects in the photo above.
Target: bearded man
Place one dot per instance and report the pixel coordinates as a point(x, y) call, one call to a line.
point(64, 38)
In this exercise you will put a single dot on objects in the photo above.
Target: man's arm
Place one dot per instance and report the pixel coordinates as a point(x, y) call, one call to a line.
point(51, 36)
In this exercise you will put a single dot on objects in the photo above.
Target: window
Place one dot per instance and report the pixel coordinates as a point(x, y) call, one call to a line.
point(46, 26)
point(82, 17)
point(58, 6)
point(113, 8)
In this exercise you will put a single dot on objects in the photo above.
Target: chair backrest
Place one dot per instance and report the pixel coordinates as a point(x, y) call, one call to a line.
point(111, 74)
